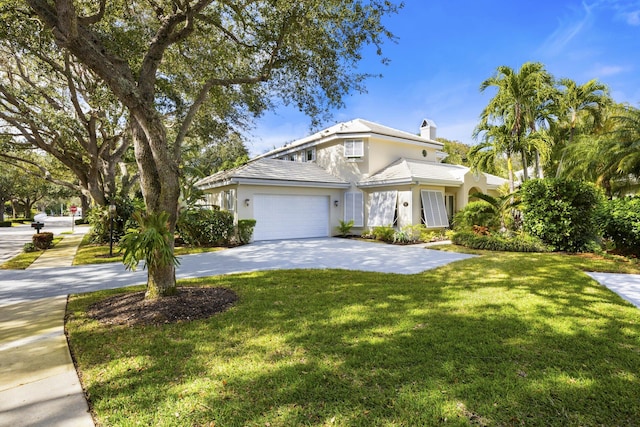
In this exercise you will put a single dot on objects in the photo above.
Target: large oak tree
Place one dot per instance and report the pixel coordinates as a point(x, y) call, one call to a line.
point(169, 61)
point(49, 102)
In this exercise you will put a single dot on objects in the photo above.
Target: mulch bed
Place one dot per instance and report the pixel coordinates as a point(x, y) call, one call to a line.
point(190, 303)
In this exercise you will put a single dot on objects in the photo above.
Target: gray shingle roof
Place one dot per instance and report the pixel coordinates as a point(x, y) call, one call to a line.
point(276, 172)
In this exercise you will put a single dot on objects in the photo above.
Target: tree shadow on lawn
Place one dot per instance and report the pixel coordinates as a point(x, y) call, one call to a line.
point(503, 343)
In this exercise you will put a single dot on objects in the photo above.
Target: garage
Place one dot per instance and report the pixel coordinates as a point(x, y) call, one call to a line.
point(280, 216)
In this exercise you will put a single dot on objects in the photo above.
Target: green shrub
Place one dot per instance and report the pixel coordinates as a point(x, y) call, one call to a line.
point(620, 221)
point(410, 234)
point(100, 221)
point(345, 227)
point(42, 241)
point(383, 232)
point(476, 213)
point(205, 227)
point(29, 247)
point(5, 223)
point(81, 221)
point(245, 230)
point(562, 213)
point(433, 235)
point(520, 242)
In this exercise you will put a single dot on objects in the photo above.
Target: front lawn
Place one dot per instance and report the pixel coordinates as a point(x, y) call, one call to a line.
point(92, 253)
point(502, 339)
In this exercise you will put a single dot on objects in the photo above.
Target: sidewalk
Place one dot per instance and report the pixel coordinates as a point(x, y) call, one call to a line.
point(62, 254)
point(39, 385)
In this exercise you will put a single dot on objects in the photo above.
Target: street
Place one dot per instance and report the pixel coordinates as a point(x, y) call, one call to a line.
point(12, 239)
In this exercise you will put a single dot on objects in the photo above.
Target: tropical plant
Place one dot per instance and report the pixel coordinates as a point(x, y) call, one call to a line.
point(345, 227)
point(578, 106)
point(521, 105)
point(151, 241)
point(476, 213)
point(503, 207)
point(497, 142)
point(610, 157)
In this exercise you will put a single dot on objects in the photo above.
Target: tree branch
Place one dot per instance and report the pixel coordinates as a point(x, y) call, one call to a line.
point(46, 175)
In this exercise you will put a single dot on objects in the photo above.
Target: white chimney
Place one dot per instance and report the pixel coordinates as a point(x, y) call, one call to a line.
point(428, 129)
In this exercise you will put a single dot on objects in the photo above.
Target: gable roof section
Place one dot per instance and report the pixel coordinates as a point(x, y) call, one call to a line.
point(357, 128)
point(274, 172)
point(406, 171)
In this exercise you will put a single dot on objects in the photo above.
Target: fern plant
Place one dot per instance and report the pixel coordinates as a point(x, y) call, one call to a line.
point(345, 227)
point(150, 241)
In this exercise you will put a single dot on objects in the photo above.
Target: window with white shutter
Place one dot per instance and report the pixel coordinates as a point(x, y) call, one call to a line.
point(354, 208)
point(382, 209)
point(434, 210)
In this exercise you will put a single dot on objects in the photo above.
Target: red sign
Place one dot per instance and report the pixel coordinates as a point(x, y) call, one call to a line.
point(73, 209)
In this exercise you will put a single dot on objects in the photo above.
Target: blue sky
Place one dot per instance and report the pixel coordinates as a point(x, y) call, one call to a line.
point(446, 48)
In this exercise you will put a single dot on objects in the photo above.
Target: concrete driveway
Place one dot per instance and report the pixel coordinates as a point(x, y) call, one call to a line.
point(18, 286)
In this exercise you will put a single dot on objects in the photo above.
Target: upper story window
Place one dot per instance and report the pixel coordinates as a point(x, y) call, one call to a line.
point(310, 154)
point(353, 148)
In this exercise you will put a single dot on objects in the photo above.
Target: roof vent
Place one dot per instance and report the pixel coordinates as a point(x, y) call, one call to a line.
point(428, 129)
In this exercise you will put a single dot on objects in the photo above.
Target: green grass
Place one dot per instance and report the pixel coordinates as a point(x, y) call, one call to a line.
point(502, 339)
point(91, 253)
point(25, 259)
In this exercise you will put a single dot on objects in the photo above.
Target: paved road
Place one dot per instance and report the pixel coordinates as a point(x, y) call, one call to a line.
point(12, 239)
point(17, 286)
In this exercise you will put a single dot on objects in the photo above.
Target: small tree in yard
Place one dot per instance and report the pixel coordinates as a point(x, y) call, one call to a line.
point(562, 213)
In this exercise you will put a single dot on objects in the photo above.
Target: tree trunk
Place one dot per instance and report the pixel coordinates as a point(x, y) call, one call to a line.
point(160, 189)
point(511, 176)
point(85, 202)
point(525, 167)
point(161, 281)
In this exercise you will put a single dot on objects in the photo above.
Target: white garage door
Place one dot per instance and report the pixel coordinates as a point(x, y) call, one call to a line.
point(290, 217)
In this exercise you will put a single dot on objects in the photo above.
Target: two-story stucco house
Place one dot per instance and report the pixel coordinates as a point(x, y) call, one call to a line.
point(358, 170)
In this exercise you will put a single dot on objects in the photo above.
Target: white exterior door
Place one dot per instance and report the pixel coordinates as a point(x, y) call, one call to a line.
point(290, 216)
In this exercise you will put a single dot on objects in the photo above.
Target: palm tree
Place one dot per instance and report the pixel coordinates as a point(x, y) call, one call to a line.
point(502, 206)
point(609, 157)
point(576, 105)
point(521, 103)
point(497, 141)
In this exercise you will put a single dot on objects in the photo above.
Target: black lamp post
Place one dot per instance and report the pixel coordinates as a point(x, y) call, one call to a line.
point(112, 211)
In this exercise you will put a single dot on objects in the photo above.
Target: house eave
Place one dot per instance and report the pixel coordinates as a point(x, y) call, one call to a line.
point(276, 183)
point(409, 181)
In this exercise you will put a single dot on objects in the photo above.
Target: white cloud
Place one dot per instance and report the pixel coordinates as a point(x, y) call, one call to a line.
point(566, 32)
point(632, 18)
point(608, 70)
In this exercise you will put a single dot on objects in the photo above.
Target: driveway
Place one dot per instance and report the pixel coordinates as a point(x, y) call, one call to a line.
point(17, 286)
